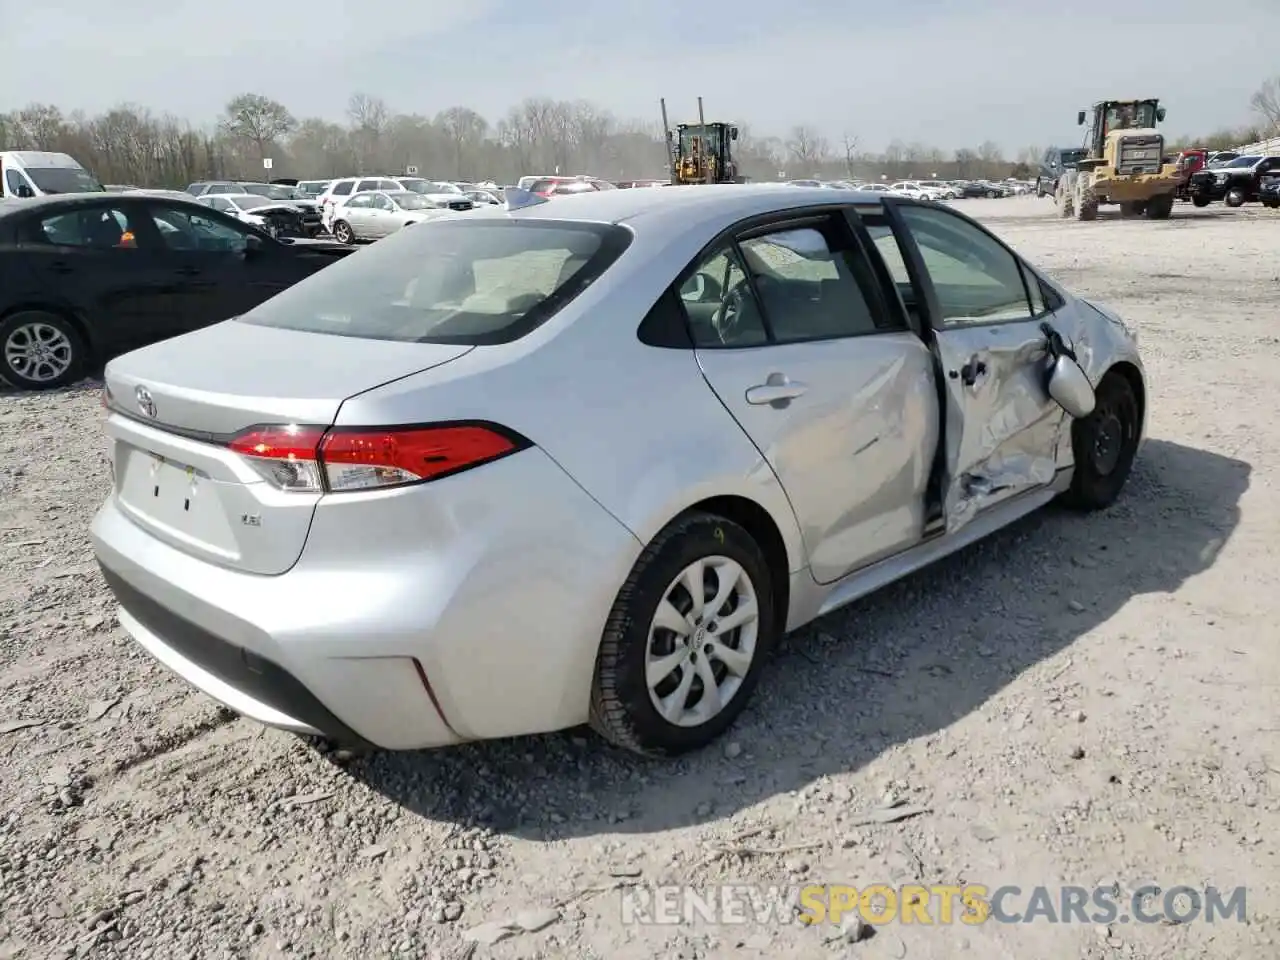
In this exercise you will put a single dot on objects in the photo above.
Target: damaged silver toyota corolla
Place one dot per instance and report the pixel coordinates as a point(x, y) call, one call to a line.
point(584, 460)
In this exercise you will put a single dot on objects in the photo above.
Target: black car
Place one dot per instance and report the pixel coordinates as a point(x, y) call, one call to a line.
point(974, 189)
point(1055, 161)
point(1234, 183)
point(1269, 191)
point(84, 277)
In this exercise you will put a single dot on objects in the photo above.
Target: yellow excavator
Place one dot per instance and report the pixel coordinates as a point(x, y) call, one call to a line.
point(701, 152)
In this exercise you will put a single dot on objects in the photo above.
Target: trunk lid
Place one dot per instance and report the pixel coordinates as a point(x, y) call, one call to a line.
point(176, 403)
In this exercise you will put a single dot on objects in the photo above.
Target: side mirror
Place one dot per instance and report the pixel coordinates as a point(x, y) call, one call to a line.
point(24, 190)
point(253, 245)
point(733, 133)
point(1065, 381)
point(1080, 119)
point(1070, 388)
point(1160, 114)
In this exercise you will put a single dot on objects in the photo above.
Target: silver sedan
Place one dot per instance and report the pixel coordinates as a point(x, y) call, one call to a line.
point(374, 214)
point(587, 460)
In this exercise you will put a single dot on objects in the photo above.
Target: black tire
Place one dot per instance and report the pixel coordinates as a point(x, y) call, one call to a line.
point(70, 353)
point(1159, 208)
point(1105, 444)
point(343, 233)
point(1234, 197)
point(622, 710)
point(1199, 200)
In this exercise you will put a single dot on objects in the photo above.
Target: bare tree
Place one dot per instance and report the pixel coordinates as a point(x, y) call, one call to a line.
point(850, 144)
point(259, 120)
point(965, 161)
point(808, 148)
point(464, 129)
point(1266, 103)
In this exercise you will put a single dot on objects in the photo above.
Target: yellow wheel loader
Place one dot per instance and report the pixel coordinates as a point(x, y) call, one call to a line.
point(701, 152)
point(1124, 164)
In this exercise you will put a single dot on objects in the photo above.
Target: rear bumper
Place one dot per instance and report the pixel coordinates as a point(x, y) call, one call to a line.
point(233, 675)
point(469, 608)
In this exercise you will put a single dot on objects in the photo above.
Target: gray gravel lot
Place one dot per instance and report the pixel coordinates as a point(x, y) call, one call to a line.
point(1086, 701)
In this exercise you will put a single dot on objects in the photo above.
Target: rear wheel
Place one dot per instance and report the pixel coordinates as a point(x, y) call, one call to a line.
point(1105, 444)
point(343, 233)
point(40, 350)
point(1160, 208)
point(687, 637)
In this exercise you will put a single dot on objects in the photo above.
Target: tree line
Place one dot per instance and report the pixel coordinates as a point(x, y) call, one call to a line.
point(132, 145)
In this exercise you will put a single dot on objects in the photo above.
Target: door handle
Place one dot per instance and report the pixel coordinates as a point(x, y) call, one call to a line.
point(188, 271)
point(971, 372)
point(778, 390)
point(60, 266)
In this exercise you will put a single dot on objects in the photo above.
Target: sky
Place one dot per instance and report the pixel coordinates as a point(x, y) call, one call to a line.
point(939, 72)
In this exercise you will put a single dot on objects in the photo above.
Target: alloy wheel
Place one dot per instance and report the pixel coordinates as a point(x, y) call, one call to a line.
point(38, 352)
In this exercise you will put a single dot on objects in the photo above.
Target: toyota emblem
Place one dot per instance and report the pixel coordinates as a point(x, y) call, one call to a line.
point(145, 403)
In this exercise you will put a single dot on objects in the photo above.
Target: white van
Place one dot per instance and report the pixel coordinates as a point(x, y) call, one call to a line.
point(34, 173)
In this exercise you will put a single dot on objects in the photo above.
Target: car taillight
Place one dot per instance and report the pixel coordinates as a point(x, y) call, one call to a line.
point(343, 459)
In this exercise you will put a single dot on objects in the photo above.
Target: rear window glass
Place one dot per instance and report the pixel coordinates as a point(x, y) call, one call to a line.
point(456, 281)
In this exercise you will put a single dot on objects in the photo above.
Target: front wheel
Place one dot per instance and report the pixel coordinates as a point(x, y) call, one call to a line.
point(1105, 444)
point(687, 637)
point(40, 351)
point(1234, 197)
point(343, 233)
point(1199, 200)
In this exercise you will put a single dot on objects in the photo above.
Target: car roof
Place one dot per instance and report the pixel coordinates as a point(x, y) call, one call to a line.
point(673, 205)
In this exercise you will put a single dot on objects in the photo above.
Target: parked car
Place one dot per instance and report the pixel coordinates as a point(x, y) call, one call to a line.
point(446, 196)
point(279, 218)
point(557, 186)
point(1055, 162)
point(338, 190)
point(906, 189)
point(40, 173)
point(416, 451)
point(1234, 183)
point(312, 189)
point(1221, 158)
point(119, 187)
point(380, 213)
point(84, 277)
point(1269, 190)
point(974, 189)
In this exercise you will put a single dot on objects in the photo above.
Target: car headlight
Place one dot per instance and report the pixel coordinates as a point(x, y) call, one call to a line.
point(252, 218)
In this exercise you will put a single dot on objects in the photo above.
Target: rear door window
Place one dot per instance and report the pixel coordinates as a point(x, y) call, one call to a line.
point(343, 189)
point(463, 281)
point(96, 228)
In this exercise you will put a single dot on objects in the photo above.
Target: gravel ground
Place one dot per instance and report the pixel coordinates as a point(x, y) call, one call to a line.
point(1084, 701)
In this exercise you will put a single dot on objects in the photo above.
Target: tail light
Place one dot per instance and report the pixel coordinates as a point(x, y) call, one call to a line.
point(343, 459)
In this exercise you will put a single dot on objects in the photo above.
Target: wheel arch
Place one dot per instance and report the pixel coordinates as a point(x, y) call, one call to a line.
point(62, 310)
point(1132, 374)
point(758, 522)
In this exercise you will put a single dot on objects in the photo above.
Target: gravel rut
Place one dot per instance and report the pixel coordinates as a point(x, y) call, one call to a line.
point(1088, 701)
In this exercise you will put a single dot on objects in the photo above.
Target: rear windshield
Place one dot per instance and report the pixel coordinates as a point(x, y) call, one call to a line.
point(456, 281)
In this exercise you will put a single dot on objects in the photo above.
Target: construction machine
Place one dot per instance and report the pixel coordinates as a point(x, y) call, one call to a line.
point(1123, 163)
point(701, 152)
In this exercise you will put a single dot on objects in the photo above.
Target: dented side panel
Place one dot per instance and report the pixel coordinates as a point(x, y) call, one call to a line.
point(1004, 432)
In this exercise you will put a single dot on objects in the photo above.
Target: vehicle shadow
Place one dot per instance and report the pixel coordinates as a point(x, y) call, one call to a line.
point(904, 663)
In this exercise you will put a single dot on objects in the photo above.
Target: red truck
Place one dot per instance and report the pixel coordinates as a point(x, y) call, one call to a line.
point(1187, 163)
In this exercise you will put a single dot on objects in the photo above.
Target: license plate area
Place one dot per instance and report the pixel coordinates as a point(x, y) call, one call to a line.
point(175, 499)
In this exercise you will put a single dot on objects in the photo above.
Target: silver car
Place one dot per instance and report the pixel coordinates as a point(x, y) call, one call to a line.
point(379, 213)
point(586, 460)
